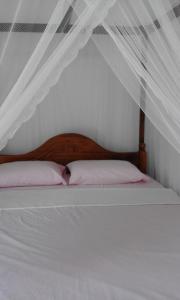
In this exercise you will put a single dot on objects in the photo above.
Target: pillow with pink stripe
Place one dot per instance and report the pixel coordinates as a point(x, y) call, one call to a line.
point(104, 172)
point(31, 173)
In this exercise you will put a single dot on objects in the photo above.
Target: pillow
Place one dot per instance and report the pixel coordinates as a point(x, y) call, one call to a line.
point(104, 172)
point(31, 173)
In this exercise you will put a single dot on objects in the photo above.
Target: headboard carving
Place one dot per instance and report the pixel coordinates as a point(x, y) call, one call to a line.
point(65, 148)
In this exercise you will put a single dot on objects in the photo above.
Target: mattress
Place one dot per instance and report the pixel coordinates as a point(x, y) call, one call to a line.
point(89, 243)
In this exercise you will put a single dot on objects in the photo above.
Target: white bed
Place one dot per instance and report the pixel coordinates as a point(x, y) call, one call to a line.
point(100, 242)
point(89, 243)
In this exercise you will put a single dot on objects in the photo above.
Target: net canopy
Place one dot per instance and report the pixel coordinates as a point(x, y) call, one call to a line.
point(144, 37)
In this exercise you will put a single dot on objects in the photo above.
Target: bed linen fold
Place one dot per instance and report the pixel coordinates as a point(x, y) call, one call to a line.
point(89, 196)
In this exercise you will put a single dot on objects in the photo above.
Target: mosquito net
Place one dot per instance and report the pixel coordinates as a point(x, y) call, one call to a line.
point(144, 35)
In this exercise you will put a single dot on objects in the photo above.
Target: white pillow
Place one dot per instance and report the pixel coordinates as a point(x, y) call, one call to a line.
point(104, 172)
point(31, 173)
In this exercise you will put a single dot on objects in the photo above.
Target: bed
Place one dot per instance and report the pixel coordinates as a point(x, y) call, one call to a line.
point(98, 242)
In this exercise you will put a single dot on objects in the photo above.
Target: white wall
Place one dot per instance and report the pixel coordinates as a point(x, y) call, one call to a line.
point(164, 161)
point(30, 10)
point(88, 99)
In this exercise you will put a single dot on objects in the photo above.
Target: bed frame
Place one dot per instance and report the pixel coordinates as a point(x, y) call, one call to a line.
point(65, 148)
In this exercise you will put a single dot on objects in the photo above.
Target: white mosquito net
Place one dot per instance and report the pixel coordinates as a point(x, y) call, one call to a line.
point(145, 36)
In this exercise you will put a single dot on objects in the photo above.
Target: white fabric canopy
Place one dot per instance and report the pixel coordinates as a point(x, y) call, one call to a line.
point(144, 33)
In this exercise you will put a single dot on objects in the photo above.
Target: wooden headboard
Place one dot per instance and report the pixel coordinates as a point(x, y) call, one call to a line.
point(65, 148)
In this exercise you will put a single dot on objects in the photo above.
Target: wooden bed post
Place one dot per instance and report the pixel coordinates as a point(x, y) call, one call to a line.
point(142, 145)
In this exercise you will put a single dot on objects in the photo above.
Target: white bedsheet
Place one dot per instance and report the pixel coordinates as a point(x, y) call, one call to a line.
point(95, 244)
point(78, 195)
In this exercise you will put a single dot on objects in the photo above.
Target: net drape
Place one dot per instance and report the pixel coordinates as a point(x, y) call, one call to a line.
point(32, 86)
point(144, 35)
point(152, 53)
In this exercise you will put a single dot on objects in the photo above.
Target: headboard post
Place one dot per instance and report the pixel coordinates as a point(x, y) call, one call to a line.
point(142, 145)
